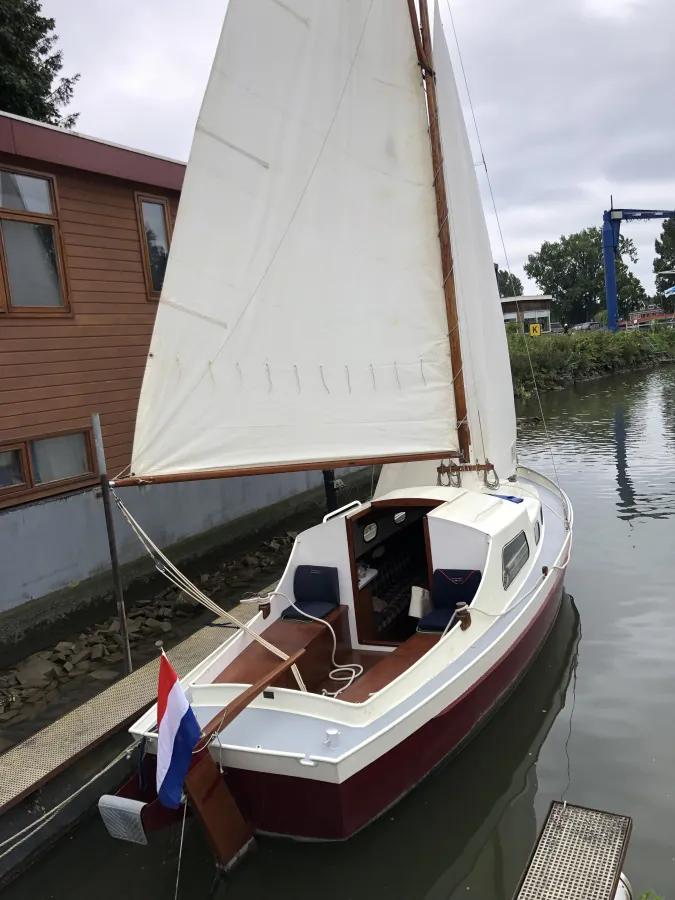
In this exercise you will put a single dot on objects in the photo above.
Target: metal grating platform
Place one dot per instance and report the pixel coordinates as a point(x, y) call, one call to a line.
point(30, 764)
point(578, 855)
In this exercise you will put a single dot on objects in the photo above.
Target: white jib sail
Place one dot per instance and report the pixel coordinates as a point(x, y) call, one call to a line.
point(485, 356)
point(302, 317)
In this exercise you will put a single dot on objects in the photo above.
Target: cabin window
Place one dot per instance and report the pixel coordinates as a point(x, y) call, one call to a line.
point(515, 555)
point(31, 267)
point(153, 217)
point(44, 465)
point(370, 532)
point(537, 532)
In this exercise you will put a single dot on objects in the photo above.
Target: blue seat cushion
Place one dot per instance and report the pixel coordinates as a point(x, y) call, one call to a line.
point(315, 589)
point(453, 586)
point(312, 583)
point(319, 609)
point(436, 620)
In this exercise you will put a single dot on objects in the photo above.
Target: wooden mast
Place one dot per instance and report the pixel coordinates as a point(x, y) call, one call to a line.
point(426, 61)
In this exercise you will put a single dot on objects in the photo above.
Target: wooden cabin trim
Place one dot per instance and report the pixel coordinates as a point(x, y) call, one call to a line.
point(426, 502)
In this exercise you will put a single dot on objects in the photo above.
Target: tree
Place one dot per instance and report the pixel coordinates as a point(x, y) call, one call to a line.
point(664, 261)
point(509, 285)
point(29, 65)
point(571, 270)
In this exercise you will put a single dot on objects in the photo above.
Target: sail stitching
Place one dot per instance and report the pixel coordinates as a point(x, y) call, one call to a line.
point(291, 220)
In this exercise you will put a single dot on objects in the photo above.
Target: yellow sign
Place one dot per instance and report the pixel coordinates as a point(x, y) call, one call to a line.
point(535, 330)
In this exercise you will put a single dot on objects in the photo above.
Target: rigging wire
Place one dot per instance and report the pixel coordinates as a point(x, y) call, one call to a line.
point(503, 242)
point(180, 849)
point(164, 565)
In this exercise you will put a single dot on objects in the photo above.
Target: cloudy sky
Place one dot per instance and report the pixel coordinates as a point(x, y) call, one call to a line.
point(574, 99)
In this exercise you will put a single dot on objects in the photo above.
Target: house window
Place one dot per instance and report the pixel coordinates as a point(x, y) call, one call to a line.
point(35, 466)
point(30, 263)
point(153, 217)
point(516, 553)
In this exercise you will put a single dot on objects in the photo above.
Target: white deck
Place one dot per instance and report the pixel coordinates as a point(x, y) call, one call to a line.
point(291, 726)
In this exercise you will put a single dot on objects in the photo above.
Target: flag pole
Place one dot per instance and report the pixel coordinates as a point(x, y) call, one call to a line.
point(112, 542)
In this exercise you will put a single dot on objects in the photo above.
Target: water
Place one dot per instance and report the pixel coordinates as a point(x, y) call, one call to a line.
point(593, 720)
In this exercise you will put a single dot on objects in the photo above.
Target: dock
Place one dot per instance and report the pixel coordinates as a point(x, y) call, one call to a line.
point(76, 746)
point(580, 852)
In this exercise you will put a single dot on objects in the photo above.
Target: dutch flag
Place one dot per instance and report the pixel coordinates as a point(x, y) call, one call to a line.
point(179, 734)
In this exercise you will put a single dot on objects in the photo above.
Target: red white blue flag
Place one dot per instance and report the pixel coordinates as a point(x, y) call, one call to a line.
point(179, 734)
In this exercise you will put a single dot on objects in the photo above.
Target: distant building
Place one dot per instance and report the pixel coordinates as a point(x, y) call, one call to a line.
point(636, 315)
point(531, 309)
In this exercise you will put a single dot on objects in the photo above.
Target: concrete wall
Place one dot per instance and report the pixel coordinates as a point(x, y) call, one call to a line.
point(59, 542)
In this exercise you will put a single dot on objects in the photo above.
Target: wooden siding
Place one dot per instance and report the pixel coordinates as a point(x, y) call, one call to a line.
point(56, 371)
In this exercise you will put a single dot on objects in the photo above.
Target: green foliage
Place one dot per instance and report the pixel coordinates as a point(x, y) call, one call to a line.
point(572, 271)
point(558, 359)
point(509, 285)
point(601, 317)
point(665, 260)
point(650, 895)
point(29, 65)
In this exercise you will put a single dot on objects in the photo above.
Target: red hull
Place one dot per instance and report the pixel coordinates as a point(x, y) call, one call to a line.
point(301, 808)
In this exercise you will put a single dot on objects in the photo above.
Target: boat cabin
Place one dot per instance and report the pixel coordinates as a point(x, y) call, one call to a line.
point(356, 573)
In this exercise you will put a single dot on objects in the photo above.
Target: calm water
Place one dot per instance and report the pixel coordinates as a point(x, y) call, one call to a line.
point(594, 718)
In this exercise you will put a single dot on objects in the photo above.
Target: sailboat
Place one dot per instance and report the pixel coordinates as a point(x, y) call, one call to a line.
point(330, 302)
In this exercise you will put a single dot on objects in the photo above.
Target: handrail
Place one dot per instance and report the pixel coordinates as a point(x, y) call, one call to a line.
point(336, 512)
point(239, 704)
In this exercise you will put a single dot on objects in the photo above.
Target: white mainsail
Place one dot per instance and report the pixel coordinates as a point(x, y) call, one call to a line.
point(485, 357)
point(302, 317)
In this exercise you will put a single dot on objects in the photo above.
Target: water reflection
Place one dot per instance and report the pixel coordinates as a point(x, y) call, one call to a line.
point(623, 480)
point(472, 824)
point(623, 429)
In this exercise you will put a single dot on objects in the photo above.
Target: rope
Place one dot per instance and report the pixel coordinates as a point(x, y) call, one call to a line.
point(503, 243)
point(347, 673)
point(27, 833)
point(180, 849)
point(164, 565)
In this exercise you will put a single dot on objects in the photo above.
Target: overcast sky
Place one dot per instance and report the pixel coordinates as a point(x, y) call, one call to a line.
point(574, 99)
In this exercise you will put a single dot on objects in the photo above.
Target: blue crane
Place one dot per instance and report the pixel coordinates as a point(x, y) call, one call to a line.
point(611, 225)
